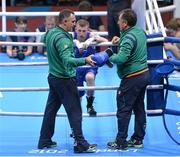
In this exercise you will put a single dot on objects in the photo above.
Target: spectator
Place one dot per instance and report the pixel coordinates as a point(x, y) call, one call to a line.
point(20, 51)
point(173, 29)
point(95, 22)
point(2, 47)
point(82, 39)
point(50, 22)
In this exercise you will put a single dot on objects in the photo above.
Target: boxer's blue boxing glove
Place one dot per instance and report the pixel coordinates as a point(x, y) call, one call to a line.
point(102, 57)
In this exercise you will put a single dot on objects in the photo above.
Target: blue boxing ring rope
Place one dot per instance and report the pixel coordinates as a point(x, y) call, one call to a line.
point(159, 75)
point(155, 89)
point(155, 44)
point(164, 69)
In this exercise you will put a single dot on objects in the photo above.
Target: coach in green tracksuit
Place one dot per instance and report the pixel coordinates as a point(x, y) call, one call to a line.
point(62, 84)
point(132, 68)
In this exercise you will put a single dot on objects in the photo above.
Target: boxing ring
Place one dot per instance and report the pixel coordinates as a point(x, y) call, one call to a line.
point(19, 134)
point(23, 95)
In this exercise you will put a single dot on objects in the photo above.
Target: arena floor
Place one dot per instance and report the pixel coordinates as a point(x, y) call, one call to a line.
point(19, 135)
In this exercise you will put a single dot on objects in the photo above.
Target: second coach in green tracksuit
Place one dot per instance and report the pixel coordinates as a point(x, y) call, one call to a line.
point(132, 68)
point(62, 84)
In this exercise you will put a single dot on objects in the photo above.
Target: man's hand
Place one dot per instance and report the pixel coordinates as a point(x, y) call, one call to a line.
point(90, 61)
point(14, 52)
point(115, 40)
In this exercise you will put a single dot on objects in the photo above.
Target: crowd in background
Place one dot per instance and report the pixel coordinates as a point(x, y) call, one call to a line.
point(50, 2)
point(67, 2)
point(95, 22)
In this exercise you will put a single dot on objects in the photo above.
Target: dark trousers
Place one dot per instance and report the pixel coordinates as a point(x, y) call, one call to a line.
point(130, 97)
point(62, 91)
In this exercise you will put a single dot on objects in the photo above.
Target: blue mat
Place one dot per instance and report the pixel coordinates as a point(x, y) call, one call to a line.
point(35, 57)
point(19, 135)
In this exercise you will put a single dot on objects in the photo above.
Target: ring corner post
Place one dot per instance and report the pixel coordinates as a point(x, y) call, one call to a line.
point(155, 97)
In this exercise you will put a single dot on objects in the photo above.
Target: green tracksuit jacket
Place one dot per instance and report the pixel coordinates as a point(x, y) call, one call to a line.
point(59, 45)
point(132, 54)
